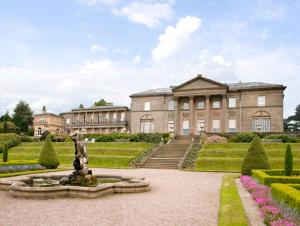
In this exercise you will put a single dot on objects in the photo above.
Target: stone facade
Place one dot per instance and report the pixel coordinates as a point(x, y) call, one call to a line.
point(47, 121)
point(201, 104)
point(101, 119)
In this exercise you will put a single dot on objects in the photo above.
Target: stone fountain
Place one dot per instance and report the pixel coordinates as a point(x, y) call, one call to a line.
point(81, 183)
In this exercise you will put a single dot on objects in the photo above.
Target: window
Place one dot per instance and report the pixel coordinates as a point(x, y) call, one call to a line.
point(261, 125)
point(171, 105)
point(123, 116)
point(39, 132)
point(216, 126)
point(107, 116)
point(171, 126)
point(185, 127)
point(147, 106)
point(261, 101)
point(115, 116)
point(232, 102)
point(200, 104)
point(200, 126)
point(232, 126)
point(68, 121)
point(216, 104)
point(146, 126)
point(42, 120)
point(186, 105)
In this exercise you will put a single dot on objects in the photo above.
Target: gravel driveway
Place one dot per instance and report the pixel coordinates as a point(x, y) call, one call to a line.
point(176, 198)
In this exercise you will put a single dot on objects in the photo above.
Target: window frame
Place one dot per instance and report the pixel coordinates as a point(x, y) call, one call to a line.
point(215, 129)
point(171, 105)
point(259, 101)
point(216, 101)
point(200, 101)
point(230, 103)
point(147, 106)
point(232, 130)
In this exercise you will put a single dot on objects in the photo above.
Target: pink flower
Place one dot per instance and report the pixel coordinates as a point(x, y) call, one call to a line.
point(282, 222)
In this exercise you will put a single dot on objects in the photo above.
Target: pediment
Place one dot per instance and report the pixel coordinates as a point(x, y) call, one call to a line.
point(199, 82)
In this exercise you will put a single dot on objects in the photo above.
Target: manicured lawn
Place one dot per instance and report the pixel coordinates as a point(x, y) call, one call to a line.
point(229, 157)
point(231, 211)
point(108, 154)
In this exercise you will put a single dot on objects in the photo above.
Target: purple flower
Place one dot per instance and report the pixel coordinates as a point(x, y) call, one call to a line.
point(282, 222)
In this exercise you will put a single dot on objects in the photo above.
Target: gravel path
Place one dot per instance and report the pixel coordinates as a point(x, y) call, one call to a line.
point(176, 198)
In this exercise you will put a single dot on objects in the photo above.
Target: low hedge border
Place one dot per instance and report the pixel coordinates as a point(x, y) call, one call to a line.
point(19, 162)
point(140, 159)
point(268, 177)
point(287, 194)
point(14, 168)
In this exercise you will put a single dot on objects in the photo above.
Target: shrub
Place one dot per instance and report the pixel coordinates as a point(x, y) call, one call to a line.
point(288, 161)
point(284, 138)
point(256, 158)
point(243, 137)
point(25, 138)
point(44, 135)
point(216, 139)
point(60, 137)
point(5, 153)
point(48, 156)
point(267, 177)
point(11, 139)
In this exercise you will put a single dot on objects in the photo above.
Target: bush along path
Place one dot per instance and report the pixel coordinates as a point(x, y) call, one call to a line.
point(271, 212)
point(190, 159)
point(140, 159)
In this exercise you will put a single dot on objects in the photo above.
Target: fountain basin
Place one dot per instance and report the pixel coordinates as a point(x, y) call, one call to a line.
point(46, 187)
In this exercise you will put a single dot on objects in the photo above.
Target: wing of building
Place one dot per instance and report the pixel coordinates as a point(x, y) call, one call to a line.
point(201, 104)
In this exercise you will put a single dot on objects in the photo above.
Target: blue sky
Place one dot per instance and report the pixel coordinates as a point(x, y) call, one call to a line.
point(61, 53)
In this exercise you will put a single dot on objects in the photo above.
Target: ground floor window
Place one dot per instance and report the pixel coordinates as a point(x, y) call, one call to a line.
point(147, 126)
point(216, 126)
point(232, 126)
point(39, 132)
point(186, 127)
point(170, 126)
point(261, 125)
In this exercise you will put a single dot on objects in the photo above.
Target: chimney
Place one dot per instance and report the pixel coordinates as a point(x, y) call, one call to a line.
point(44, 110)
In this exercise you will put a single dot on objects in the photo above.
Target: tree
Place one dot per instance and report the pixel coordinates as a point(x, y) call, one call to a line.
point(6, 117)
point(23, 116)
point(292, 123)
point(5, 153)
point(256, 158)
point(288, 161)
point(8, 127)
point(101, 102)
point(48, 156)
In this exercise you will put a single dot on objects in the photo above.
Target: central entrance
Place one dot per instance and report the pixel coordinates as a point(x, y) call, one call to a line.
point(185, 127)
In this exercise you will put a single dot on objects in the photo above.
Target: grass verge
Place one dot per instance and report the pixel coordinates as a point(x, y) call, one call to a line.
point(231, 211)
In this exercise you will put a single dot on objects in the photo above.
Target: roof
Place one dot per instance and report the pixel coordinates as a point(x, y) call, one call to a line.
point(253, 85)
point(231, 87)
point(47, 114)
point(154, 92)
point(95, 108)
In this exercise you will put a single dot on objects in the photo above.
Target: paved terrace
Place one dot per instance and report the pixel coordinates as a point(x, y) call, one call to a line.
point(177, 198)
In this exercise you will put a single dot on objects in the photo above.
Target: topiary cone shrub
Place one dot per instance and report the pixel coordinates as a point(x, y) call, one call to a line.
point(5, 152)
point(256, 158)
point(48, 156)
point(288, 161)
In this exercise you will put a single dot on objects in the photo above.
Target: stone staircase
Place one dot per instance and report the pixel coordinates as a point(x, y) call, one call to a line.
point(169, 155)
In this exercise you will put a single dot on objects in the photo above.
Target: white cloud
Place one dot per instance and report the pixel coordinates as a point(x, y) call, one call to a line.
point(137, 59)
point(95, 2)
point(96, 48)
point(148, 14)
point(220, 60)
point(175, 38)
point(268, 9)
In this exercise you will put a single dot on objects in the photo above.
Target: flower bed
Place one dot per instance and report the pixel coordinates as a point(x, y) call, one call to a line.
point(267, 177)
point(270, 211)
point(14, 166)
point(287, 194)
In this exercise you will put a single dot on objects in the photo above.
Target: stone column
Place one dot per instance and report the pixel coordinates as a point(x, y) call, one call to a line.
point(223, 113)
point(177, 116)
point(207, 113)
point(192, 116)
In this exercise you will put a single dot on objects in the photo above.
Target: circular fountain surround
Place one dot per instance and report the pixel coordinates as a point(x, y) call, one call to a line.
point(47, 187)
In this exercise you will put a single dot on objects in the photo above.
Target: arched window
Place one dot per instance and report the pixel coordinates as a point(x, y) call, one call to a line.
point(146, 122)
point(261, 122)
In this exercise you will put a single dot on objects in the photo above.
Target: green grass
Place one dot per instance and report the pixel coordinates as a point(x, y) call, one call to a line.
point(101, 154)
point(229, 157)
point(231, 211)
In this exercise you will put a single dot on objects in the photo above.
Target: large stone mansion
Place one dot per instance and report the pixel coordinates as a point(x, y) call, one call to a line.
point(200, 104)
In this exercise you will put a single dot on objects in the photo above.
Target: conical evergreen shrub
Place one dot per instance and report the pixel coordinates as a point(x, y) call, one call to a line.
point(48, 156)
point(288, 161)
point(5, 153)
point(256, 158)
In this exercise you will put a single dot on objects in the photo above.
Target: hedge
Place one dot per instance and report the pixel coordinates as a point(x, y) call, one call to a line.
point(268, 177)
point(19, 162)
point(287, 194)
point(12, 166)
point(138, 137)
point(11, 139)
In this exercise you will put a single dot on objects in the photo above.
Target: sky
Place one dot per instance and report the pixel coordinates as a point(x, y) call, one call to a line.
point(62, 53)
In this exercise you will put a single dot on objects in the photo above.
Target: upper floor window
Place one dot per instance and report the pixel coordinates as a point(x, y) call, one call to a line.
point(232, 102)
point(261, 101)
point(114, 116)
point(123, 116)
point(68, 121)
point(216, 104)
point(107, 116)
point(200, 104)
point(147, 106)
point(171, 105)
point(186, 105)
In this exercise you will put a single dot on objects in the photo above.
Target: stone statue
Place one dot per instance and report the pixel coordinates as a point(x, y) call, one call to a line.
point(80, 162)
